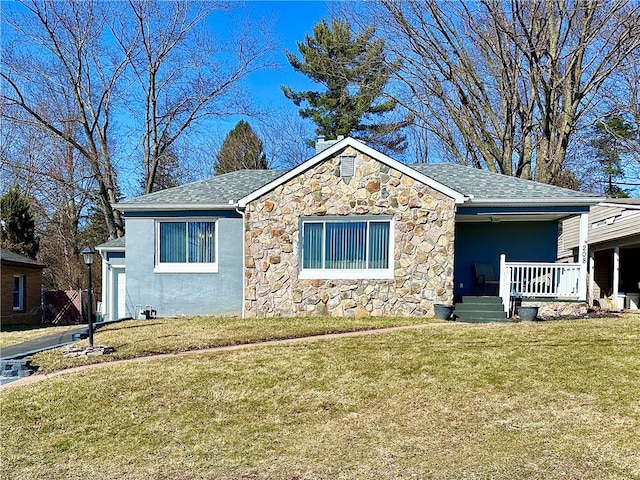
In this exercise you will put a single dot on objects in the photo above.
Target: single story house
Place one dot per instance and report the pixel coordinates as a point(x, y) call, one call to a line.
point(614, 251)
point(21, 281)
point(350, 231)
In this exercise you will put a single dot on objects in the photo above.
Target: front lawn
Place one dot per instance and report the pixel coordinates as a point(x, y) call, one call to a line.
point(137, 338)
point(549, 400)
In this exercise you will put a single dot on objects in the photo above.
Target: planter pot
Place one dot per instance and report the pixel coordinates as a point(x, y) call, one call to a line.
point(528, 314)
point(443, 312)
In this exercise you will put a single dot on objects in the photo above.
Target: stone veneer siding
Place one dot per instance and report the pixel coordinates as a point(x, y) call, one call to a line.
point(423, 243)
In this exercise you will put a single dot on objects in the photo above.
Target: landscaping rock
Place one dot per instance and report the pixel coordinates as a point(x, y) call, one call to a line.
point(76, 351)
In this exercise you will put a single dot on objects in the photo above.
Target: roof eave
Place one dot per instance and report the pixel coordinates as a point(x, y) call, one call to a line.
point(620, 205)
point(14, 263)
point(548, 201)
point(148, 207)
point(110, 249)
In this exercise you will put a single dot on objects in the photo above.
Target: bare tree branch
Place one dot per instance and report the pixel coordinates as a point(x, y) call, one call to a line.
point(505, 84)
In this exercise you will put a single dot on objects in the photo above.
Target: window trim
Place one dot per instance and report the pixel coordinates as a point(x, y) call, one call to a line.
point(347, 273)
point(21, 293)
point(185, 267)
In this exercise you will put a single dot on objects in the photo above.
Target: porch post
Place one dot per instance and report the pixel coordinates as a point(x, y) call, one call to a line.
point(583, 255)
point(616, 276)
point(504, 289)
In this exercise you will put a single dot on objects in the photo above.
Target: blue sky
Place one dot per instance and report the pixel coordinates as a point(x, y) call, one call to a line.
point(291, 21)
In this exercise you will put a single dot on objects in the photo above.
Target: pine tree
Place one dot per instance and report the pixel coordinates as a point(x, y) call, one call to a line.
point(241, 149)
point(17, 226)
point(609, 146)
point(354, 71)
point(168, 174)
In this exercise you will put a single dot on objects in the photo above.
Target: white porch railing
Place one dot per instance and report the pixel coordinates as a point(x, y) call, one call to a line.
point(542, 280)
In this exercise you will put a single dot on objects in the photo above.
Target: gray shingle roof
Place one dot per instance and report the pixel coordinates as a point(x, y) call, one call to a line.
point(16, 258)
point(219, 190)
point(486, 185)
point(117, 243)
point(225, 190)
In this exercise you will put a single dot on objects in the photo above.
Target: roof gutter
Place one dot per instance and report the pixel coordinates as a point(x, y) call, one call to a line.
point(132, 207)
point(21, 264)
point(244, 260)
point(110, 249)
point(621, 205)
point(535, 201)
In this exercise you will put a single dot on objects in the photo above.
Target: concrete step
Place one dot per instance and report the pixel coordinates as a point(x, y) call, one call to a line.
point(480, 310)
point(480, 314)
point(473, 319)
point(479, 307)
point(490, 300)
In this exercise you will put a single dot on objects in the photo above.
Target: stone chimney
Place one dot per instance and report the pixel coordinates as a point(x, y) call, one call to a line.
point(322, 144)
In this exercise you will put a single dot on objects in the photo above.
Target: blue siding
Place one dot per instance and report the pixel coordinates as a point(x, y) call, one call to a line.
point(484, 242)
point(173, 294)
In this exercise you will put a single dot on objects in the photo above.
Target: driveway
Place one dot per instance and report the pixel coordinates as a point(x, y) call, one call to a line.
point(46, 342)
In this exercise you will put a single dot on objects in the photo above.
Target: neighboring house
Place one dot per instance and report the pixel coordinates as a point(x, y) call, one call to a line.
point(614, 251)
point(349, 232)
point(21, 281)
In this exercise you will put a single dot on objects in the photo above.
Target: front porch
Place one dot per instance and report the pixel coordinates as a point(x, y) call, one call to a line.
point(549, 285)
point(521, 247)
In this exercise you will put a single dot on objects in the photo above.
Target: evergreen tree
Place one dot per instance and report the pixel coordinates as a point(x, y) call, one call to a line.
point(241, 149)
point(17, 226)
point(609, 146)
point(354, 71)
point(95, 231)
point(168, 174)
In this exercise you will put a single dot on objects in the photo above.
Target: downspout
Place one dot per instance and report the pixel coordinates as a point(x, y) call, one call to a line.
point(244, 258)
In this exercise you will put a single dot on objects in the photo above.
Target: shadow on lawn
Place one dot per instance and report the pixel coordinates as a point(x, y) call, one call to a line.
point(545, 343)
point(128, 327)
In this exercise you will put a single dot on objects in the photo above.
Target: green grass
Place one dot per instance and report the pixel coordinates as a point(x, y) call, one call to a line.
point(136, 338)
point(14, 334)
point(549, 400)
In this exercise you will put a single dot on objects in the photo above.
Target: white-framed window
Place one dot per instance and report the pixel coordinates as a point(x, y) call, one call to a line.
point(346, 247)
point(186, 246)
point(18, 292)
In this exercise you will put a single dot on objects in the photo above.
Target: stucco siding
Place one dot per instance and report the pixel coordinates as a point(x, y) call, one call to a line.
point(423, 226)
point(172, 294)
